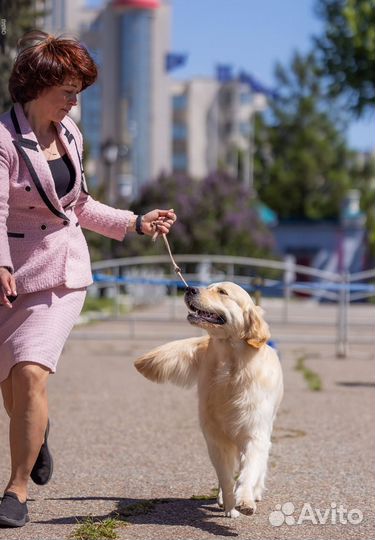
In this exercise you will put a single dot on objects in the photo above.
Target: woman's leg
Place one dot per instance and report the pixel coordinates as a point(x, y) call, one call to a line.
point(25, 399)
point(6, 390)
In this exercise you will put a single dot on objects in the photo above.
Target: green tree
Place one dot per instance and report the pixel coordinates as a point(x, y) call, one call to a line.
point(17, 17)
point(347, 50)
point(363, 171)
point(301, 159)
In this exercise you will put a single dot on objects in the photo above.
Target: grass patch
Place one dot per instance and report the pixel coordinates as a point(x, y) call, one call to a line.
point(96, 529)
point(314, 382)
point(107, 305)
point(213, 495)
point(98, 304)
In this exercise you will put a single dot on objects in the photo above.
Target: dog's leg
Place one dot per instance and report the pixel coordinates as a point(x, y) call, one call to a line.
point(263, 461)
point(219, 499)
point(176, 362)
point(253, 468)
point(259, 484)
point(259, 488)
point(224, 461)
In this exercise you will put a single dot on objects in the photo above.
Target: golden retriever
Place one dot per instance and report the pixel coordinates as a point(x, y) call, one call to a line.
point(240, 386)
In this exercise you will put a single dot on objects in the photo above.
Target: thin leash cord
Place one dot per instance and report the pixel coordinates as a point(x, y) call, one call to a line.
point(176, 268)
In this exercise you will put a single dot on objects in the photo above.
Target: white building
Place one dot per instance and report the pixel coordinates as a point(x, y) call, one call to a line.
point(212, 127)
point(65, 16)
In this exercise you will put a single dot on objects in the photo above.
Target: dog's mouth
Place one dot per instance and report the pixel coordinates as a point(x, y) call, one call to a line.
point(198, 315)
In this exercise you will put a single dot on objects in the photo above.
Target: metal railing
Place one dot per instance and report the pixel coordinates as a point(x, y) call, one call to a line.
point(148, 279)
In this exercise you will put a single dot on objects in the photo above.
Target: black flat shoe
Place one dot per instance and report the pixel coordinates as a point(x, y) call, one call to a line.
point(43, 467)
point(13, 513)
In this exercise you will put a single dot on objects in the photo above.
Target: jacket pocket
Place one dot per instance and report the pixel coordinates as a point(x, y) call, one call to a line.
point(16, 235)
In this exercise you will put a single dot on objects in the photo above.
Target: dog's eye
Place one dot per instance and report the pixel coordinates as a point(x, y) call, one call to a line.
point(222, 291)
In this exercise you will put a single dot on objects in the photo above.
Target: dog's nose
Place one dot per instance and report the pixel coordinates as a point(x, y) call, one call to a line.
point(192, 290)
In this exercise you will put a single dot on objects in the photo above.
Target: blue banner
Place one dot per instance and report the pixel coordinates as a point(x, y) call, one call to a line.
point(224, 73)
point(255, 85)
point(175, 60)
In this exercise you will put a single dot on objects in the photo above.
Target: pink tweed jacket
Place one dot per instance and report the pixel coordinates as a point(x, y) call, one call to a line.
point(41, 239)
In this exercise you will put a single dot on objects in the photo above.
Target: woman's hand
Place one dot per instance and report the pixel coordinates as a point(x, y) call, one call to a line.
point(7, 286)
point(159, 221)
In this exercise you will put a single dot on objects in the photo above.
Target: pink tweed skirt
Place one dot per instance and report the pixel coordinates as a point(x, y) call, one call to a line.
point(37, 327)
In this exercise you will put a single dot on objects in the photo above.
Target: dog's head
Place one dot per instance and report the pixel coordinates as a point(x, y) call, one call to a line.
point(226, 311)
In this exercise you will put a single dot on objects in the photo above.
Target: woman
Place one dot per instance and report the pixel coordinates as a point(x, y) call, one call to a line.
point(44, 257)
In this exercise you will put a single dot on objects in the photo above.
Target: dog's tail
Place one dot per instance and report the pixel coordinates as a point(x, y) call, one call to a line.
point(176, 362)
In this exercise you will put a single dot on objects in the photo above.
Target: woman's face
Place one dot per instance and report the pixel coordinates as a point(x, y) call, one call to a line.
point(58, 100)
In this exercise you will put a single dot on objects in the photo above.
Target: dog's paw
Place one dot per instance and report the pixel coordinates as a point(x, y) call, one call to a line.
point(219, 499)
point(258, 494)
point(232, 513)
point(247, 507)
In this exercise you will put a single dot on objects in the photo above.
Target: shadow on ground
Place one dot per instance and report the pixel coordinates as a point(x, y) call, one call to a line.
point(172, 512)
point(356, 384)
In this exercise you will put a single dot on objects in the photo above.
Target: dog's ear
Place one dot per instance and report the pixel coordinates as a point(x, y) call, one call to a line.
point(256, 329)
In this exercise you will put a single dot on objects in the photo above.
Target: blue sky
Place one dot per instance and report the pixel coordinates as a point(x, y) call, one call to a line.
point(250, 35)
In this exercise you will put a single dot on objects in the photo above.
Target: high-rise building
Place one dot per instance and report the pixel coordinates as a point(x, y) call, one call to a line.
point(126, 115)
point(65, 17)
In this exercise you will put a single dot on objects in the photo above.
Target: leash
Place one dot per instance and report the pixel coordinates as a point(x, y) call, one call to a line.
point(176, 268)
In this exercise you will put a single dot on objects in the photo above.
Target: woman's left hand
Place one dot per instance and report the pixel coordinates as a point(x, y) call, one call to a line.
point(159, 221)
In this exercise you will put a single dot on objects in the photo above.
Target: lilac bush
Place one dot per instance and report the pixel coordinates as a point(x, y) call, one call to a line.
point(216, 215)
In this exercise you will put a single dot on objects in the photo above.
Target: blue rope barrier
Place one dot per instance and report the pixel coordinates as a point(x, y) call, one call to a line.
point(279, 286)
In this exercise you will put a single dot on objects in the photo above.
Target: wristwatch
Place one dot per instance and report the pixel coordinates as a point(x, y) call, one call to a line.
point(138, 224)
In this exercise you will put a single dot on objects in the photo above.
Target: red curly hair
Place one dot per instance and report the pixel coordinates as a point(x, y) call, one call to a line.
point(44, 61)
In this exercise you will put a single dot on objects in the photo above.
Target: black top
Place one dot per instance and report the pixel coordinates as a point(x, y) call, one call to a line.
point(63, 174)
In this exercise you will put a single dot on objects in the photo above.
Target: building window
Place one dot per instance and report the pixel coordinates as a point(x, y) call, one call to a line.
point(179, 162)
point(226, 97)
point(179, 102)
point(179, 132)
point(228, 128)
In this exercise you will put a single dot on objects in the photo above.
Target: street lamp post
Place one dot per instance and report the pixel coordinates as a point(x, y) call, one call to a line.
point(110, 152)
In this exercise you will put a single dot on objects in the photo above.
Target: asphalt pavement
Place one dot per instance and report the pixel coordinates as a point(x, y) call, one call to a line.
point(120, 441)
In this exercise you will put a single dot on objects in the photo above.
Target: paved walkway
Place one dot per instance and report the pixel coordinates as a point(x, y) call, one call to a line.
point(119, 439)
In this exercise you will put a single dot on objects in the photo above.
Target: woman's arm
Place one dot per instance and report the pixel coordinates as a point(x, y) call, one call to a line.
point(103, 219)
point(7, 282)
point(115, 223)
point(5, 258)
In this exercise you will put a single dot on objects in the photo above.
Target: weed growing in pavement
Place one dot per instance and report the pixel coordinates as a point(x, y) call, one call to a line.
point(313, 380)
point(96, 529)
point(213, 495)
